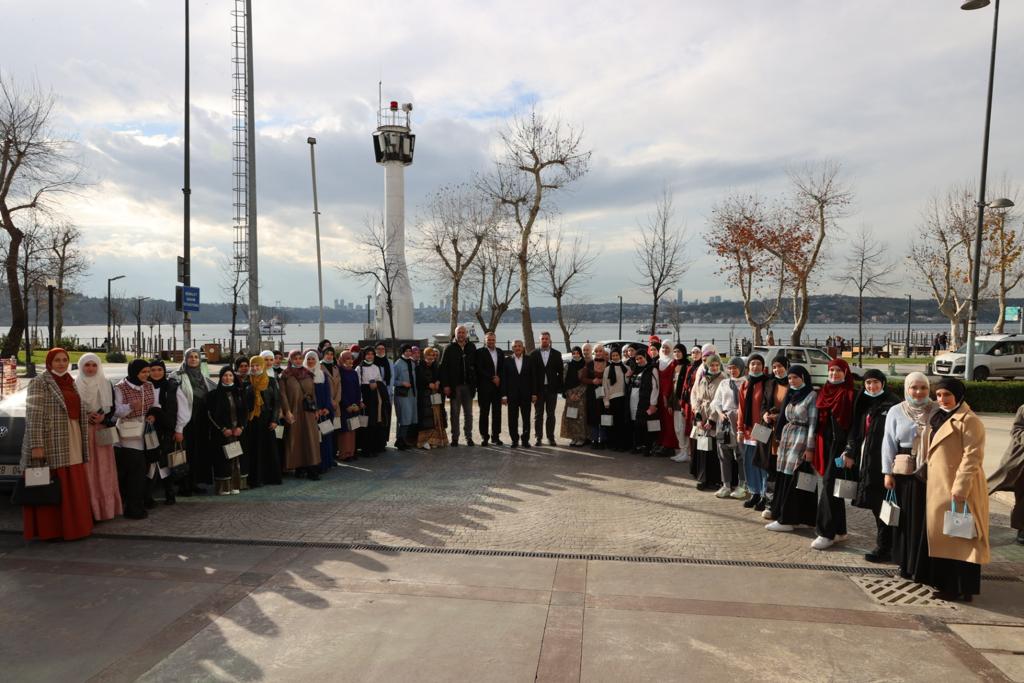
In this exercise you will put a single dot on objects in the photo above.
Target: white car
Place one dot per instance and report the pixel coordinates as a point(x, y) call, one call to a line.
point(995, 355)
point(815, 360)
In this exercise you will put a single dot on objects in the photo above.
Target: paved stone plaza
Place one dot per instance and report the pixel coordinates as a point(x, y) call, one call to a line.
point(698, 590)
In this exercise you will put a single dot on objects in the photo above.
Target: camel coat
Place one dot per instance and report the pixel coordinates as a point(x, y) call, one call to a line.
point(956, 452)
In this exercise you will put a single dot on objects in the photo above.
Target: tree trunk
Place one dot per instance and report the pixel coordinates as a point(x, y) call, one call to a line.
point(58, 311)
point(18, 314)
point(1001, 320)
point(234, 319)
point(654, 317)
point(453, 319)
point(561, 323)
point(524, 299)
point(801, 308)
point(860, 329)
point(390, 305)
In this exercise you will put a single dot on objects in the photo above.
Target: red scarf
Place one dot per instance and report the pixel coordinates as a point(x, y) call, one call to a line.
point(71, 399)
point(835, 402)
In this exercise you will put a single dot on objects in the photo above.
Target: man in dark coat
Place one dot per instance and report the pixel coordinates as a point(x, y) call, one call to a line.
point(458, 380)
point(1010, 475)
point(490, 362)
point(547, 367)
point(517, 392)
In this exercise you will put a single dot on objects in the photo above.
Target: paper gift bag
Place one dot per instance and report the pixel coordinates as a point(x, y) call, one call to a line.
point(325, 427)
point(354, 423)
point(599, 391)
point(129, 429)
point(152, 440)
point(37, 476)
point(695, 432)
point(761, 433)
point(607, 420)
point(177, 458)
point(364, 420)
point(572, 412)
point(807, 481)
point(336, 423)
point(106, 436)
point(890, 512)
point(845, 488)
point(703, 443)
point(279, 431)
point(959, 524)
point(436, 399)
point(654, 425)
point(232, 450)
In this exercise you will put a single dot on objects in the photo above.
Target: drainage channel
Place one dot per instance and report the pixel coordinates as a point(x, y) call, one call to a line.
point(484, 552)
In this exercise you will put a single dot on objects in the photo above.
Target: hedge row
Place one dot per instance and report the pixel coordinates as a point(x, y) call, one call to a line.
point(983, 397)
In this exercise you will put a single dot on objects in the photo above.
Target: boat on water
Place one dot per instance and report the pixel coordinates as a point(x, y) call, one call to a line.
point(442, 338)
point(661, 330)
point(273, 327)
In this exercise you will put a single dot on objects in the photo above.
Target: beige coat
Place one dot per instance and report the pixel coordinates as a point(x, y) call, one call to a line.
point(956, 452)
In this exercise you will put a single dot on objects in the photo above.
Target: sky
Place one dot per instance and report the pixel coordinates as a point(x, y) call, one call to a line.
point(701, 98)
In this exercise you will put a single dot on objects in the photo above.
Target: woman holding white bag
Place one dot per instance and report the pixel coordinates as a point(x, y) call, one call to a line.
point(957, 542)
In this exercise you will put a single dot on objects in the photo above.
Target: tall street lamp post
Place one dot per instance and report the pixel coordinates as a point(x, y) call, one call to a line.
point(109, 331)
point(620, 316)
point(138, 325)
point(316, 222)
point(51, 285)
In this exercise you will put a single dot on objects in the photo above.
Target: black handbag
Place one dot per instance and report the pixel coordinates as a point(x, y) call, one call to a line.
point(309, 404)
point(36, 495)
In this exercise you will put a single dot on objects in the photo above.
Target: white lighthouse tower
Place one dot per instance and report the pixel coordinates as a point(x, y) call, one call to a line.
point(393, 145)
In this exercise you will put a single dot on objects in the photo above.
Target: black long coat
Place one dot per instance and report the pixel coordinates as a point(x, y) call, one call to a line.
point(864, 445)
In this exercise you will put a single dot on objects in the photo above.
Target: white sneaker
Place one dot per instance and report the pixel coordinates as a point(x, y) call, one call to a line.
point(776, 526)
point(235, 492)
point(680, 457)
point(426, 446)
point(723, 492)
point(739, 494)
point(767, 514)
point(821, 543)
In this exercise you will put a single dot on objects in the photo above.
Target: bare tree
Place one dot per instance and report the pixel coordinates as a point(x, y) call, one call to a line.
point(943, 254)
point(34, 165)
point(868, 270)
point(118, 315)
point(661, 254)
point(674, 315)
point(565, 263)
point(32, 273)
point(737, 222)
point(376, 267)
point(233, 284)
point(67, 264)
point(540, 155)
point(456, 221)
point(495, 277)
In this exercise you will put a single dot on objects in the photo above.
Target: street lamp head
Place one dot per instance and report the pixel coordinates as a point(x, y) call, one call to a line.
point(1001, 203)
point(974, 4)
point(116, 277)
point(311, 141)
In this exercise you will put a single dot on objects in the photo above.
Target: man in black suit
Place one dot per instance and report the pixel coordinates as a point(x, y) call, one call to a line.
point(490, 361)
point(547, 368)
point(458, 380)
point(517, 392)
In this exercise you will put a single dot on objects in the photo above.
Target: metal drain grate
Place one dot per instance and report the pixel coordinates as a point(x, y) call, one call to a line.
point(889, 591)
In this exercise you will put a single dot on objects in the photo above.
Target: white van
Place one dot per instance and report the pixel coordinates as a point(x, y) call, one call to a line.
point(995, 355)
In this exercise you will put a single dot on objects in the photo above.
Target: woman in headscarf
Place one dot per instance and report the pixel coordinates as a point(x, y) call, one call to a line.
point(725, 409)
point(835, 417)
point(264, 416)
point(56, 436)
point(405, 396)
point(136, 404)
point(298, 406)
point(676, 385)
point(615, 401)
point(350, 406)
point(97, 394)
point(324, 409)
point(668, 443)
point(433, 421)
point(708, 467)
point(387, 376)
point(864, 452)
point(956, 478)
point(170, 429)
point(749, 413)
point(689, 384)
point(372, 439)
point(194, 379)
point(332, 371)
point(774, 398)
point(904, 457)
point(229, 416)
point(574, 428)
point(592, 377)
point(1010, 474)
point(273, 368)
point(643, 403)
point(796, 428)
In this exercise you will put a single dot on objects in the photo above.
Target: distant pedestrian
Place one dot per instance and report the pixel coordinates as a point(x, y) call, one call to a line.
point(771, 338)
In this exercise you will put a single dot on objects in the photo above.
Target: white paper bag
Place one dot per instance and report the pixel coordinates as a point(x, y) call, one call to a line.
point(572, 412)
point(704, 443)
point(325, 427)
point(890, 512)
point(279, 431)
point(364, 420)
point(129, 429)
point(336, 422)
point(232, 450)
point(354, 423)
point(106, 436)
point(177, 458)
point(695, 432)
point(607, 420)
point(37, 476)
point(436, 399)
point(599, 391)
point(654, 425)
point(761, 433)
point(959, 524)
point(152, 441)
point(845, 489)
point(807, 481)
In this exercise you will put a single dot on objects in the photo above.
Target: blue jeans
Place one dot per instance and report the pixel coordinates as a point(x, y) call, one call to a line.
point(756, 477)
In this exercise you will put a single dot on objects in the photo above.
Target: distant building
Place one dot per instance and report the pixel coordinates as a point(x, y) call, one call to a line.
point(715, 300)
point(679, 296)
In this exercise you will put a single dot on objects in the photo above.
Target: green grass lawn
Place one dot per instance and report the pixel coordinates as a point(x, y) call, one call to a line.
point(39, 356)
point(885, 361)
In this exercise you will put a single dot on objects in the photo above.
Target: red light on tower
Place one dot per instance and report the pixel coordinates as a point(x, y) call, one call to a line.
point(394, 106)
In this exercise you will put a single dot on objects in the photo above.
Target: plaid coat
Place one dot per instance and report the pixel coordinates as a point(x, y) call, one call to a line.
point(46, 424)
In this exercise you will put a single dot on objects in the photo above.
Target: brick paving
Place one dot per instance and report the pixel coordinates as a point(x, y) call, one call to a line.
point(543, 499)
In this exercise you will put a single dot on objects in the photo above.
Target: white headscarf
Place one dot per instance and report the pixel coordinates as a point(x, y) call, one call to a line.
point(96, 392)
point(318, 373)
point(920, 415)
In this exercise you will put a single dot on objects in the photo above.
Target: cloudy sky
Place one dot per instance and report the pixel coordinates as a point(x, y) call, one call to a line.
point(701, 97)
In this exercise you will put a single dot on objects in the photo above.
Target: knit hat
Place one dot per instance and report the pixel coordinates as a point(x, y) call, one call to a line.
point(737, 361)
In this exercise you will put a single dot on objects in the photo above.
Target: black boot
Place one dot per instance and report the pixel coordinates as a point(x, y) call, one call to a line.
point(1020, 537)
point(752, 501)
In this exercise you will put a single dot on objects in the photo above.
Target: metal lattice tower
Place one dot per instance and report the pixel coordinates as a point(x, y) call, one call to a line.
point(239, 99)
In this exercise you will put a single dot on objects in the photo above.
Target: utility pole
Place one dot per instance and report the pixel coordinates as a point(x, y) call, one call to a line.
point(316, 221)
point(138, 325)
point(254, 281)
point(620, 316)
point(910, 314)
point(186, 279)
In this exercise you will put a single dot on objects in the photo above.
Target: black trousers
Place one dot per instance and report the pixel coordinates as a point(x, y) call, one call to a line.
point(489, 401)
point(547, 401)
point(519, 409)
point(131, 478)
point(831, 518)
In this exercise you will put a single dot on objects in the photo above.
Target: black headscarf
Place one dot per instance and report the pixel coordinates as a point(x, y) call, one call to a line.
point(134, 368)
point(157, 363)
point(749, 418)
point(782, 360)
point(794, 396)
point(959, 391)
point(237, 364)
point(864, 404)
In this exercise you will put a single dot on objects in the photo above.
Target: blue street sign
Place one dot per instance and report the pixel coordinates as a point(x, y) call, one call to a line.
point(190, 299)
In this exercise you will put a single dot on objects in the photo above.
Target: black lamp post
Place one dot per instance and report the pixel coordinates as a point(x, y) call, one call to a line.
point(50, 287)
point(620, 316)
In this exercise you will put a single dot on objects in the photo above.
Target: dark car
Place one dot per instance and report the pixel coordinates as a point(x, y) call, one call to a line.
point(618, 344)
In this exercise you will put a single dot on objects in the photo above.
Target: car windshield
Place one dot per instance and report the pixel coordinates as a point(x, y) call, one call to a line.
point(981, 347)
